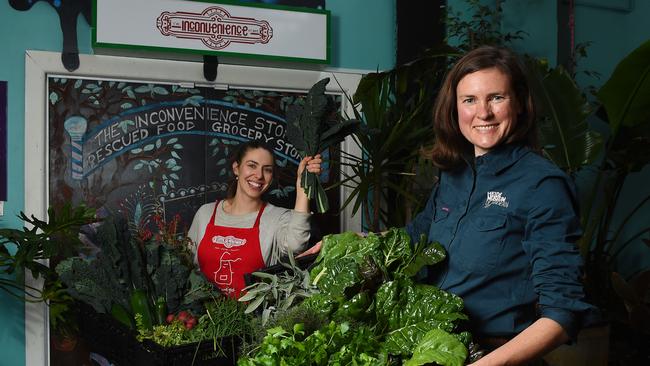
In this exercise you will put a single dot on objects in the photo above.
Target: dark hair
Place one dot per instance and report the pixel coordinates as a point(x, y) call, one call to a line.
point(238, 157)
point(451, 145)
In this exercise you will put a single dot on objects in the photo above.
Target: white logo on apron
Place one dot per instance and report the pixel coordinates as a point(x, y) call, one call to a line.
point(228, 241)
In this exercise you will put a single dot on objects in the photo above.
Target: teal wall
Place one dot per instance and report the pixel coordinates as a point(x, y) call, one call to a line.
point(37, 29)
point(363, 38)
point(614, 28)
point(534, 17)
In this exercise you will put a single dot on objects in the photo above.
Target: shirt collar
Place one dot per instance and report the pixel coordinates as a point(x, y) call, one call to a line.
point(501, 157)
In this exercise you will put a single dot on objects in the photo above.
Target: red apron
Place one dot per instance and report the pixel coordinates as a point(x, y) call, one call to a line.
point(226, 254)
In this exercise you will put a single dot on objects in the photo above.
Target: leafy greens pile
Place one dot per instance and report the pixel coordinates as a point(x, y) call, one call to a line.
point(128, 277)
point(311, 130)
point(377, 313)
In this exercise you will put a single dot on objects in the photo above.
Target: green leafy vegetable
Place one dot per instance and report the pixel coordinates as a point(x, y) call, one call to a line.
point(408, 311)
point(140, 306)
point(345, 259)
point(122, 315)
point(440, 347)
point(310, 131)
point(368, 282)
point(132, 274)
point(334, 344)
point(106, 278)
point(275, 293)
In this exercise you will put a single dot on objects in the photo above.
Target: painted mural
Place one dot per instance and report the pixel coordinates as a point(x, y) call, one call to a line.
point(150, 151)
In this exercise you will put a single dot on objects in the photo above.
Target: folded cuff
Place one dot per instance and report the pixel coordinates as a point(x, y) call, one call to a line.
point(565, 318)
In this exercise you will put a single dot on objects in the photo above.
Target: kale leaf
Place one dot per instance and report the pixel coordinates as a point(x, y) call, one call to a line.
point(310, 131)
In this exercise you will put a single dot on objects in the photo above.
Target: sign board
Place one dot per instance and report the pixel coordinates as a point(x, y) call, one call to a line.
point(251, 30)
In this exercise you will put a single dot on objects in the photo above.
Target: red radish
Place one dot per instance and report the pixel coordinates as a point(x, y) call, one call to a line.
point(191, 321)
point(183, 315)
point(170, 318)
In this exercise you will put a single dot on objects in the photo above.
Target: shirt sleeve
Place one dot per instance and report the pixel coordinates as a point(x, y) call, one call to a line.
point(289, 229)
point(551, 232)
point(199, 224)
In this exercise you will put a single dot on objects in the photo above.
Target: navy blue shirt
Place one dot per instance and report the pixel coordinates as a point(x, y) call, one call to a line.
point(509, 225)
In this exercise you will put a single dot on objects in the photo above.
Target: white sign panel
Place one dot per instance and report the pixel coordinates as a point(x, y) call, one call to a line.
point(213, 28)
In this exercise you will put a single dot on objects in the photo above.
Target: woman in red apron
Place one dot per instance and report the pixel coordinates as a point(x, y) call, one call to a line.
point(242, 233)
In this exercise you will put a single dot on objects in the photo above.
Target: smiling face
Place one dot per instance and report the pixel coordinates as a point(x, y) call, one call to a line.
point(487, 108)
point(254, 173)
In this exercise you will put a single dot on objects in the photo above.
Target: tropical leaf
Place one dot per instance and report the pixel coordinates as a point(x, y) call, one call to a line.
point(625, 94)
point(566, 136)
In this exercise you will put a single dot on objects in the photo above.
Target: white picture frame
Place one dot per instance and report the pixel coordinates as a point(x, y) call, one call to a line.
point(40, 64)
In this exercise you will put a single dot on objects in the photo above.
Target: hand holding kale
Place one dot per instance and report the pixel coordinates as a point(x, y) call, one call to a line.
point(311, 131)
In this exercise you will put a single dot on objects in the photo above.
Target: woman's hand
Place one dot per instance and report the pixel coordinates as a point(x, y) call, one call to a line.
point(313, 250)
point(317, 247)
point(311, 163)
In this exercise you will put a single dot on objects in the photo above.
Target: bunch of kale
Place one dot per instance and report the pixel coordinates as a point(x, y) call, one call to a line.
point(123, 266)
point(311, 129)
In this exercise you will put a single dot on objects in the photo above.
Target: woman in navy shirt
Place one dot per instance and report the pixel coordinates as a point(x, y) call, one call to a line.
point(506, 215)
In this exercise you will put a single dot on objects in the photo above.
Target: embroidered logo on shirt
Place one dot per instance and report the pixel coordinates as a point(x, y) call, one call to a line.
point(228, 241)
point(496, 198)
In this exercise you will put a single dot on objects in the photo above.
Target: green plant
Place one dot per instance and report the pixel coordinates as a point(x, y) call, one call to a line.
point(601, 164)
point(395, 107)
point(275, 294)
point(377, 315)
point(482, 27)
point(333, 344)
point(131, 276)
point(36, 244)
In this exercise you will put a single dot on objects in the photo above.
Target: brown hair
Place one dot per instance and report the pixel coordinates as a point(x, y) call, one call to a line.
point(238, 157)
point(451, 145)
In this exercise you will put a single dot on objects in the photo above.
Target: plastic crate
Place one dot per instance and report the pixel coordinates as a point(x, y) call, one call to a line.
point(118, 344)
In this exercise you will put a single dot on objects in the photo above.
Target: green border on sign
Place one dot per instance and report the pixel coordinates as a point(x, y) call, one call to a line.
point(328, 46)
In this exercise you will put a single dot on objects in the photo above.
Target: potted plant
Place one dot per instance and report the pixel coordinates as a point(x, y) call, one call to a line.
point(395, 108)
point(600, 162)
point(38, 244)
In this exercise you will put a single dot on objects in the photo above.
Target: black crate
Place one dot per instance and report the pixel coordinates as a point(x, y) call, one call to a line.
point(107, 337)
